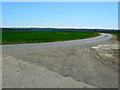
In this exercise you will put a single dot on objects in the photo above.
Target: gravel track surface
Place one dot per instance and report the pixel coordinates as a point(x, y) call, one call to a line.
point(74, 59)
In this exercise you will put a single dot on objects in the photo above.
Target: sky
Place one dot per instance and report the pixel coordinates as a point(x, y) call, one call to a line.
point(60, 0)
point(60, 14)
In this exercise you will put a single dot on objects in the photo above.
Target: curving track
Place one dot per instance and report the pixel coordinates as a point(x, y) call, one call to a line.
point(72, 59)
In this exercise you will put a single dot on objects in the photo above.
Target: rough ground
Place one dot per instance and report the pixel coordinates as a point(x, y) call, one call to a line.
point(108, 53)
point(30, 75)
point(75, 60)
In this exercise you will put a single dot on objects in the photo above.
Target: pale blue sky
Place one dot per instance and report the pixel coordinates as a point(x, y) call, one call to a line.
point(65, 14)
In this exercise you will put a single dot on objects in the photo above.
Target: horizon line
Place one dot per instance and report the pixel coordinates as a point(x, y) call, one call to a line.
point(55, 27)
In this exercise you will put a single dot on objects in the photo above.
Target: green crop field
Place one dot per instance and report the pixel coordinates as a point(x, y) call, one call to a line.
point(26, 36)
